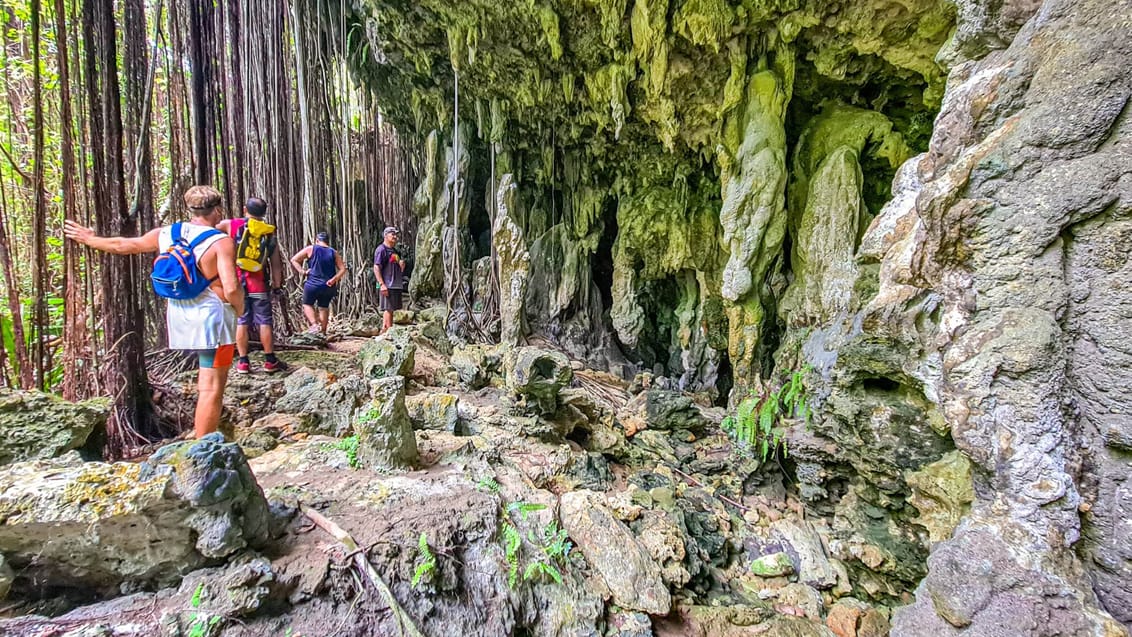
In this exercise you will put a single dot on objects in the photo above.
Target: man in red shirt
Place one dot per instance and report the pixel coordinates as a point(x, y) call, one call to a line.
point(257, 305)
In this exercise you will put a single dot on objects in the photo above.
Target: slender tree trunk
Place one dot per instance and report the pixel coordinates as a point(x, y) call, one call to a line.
point(307, 207)
point(39, 221)
point(75, 337)
point(198, 66)
point(26, 377)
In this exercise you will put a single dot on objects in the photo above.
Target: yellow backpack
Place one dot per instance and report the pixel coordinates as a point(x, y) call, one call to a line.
point(252, 248)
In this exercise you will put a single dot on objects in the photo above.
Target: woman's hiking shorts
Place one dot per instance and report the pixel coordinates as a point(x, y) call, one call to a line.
point(319, 294)
point(218, 358)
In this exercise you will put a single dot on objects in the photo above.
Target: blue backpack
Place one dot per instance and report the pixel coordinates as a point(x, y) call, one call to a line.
point(175, 272)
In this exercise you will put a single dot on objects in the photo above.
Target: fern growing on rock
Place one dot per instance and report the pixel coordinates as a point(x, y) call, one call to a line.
point(757, 424)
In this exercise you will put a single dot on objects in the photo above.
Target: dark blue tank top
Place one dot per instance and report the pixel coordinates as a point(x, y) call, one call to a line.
point(322, 265)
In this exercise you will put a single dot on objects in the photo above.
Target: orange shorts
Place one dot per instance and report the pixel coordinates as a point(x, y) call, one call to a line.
point(219, 358)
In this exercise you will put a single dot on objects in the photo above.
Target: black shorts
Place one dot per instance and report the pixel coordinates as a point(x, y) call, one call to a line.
point(391, 302)
point(319, 294)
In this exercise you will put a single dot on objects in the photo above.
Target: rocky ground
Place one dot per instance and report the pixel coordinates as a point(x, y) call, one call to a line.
point(494, 492)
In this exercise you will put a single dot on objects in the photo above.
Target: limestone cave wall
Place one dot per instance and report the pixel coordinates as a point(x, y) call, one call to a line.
point(923, 204)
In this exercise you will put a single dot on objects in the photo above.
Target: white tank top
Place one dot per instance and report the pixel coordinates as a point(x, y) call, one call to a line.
point(203, 323)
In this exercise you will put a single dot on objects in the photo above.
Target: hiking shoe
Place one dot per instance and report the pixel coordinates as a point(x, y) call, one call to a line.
point(243, 367)
point(277, 366)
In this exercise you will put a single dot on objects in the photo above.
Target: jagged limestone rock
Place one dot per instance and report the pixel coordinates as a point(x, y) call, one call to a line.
point(476, 365)
point(322, 402)
point(385, 433)
point(68, 523)
point(433, 411)
point(773, 565)
point(514, 264)
point(802, 543)
point(7, 576)
point(38, 426)
point(1022, 205)
point(823, 256)
point(537, 376)
point(561, 295)
point(661, 410)
point(942, 492)
point(632, 577)
point(391, 354)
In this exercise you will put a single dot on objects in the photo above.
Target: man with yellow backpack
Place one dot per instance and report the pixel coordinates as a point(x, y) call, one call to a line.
point(257, 261)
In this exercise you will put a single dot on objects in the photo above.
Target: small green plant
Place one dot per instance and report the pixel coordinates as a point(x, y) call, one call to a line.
point(512, 540)
point(200, 624)
point(428, 563)
point(488, 484)
point(551, 544)
point(350, 446)
point(756, 425)
point(524, 508)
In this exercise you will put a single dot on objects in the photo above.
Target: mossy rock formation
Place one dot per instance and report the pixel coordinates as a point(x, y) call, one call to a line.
point(728, 192)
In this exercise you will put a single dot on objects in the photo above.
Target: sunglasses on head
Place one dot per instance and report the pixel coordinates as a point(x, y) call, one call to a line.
point(208, 206)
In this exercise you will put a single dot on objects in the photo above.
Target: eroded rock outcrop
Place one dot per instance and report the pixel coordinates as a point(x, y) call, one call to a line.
point(65, 523)
point(39, 426)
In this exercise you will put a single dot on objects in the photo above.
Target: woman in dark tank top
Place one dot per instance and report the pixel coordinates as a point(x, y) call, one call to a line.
point(323, 270)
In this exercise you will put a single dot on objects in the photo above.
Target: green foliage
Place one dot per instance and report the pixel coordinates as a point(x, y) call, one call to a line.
point(512, 540)
point(200, 624)
point(550, 547)
point(524, 508)
point(350, 446)
point(756, 425)
point(428, 560)
point(487, 484)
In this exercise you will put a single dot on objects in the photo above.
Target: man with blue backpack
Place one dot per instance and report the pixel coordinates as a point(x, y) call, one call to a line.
point(196, 271)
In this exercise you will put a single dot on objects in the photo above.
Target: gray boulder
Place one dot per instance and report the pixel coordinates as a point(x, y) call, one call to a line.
point(391, 354)
point(537, 376)
point(323, 403)
point(434, 411)
point(663, 410)
point(38, 426)
point(97, 525)
point(476, 365)
point(385, 433)
point(632, 577)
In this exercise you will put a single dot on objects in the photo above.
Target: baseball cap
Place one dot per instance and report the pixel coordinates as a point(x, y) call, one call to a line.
point(322, 236)
point(390, 229)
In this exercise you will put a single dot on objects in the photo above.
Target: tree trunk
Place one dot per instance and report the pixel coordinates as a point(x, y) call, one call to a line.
point(75, 336)
point(125, 375)
point(39, 221)
point(198, 66)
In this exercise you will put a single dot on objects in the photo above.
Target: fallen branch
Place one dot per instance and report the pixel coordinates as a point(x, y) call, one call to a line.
point(724, 498)
point(404, 622)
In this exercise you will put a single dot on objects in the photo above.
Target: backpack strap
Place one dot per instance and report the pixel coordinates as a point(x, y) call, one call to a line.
point(200, 237)
point(175, 233)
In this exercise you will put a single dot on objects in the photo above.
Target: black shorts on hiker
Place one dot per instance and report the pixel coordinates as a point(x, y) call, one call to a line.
point(319, 294)
point(391, 302)
point(257, 311)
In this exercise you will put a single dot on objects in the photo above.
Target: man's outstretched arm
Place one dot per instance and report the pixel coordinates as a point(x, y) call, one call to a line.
point(114, 245)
